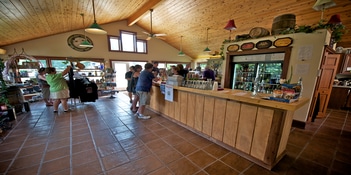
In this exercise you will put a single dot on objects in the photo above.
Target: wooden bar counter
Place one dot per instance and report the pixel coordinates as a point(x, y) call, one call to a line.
point(252, 127)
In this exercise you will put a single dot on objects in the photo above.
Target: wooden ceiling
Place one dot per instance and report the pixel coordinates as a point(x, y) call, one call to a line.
point(22, 20)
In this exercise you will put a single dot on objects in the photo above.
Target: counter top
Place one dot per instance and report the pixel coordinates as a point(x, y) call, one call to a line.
point(246, 97)
point(338, 86)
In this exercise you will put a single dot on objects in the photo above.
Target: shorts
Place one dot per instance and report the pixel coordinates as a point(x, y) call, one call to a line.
point(45, 92)
point(144, 97)
point(60, 94)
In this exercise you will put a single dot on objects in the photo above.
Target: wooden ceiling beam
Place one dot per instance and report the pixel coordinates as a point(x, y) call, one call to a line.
point(140, 12)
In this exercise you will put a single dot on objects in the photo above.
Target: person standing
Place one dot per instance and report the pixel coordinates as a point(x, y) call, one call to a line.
point(134, 82)
point(155, 69)
point(128, 76)
point(59, 90)
point(143, 88)
point(209, 73)
point(44, 86)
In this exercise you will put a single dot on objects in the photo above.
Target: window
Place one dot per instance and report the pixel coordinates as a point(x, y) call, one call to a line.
point(127, 42)
point(114, 43)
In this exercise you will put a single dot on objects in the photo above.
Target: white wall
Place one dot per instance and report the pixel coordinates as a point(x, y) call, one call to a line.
point(56, 45)
point(313, 41)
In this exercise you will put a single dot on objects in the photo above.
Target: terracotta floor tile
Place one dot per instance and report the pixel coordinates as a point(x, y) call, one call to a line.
point(220, 168)
point(92, 168)
point(201, 158)
point(57, 153)
point(147, 164)
point(183, 167)
point(110, 149)
point(185, 148)
point(114, 160)
point(216, 150)
point(84, 157)
point(138, 153)
point(168, 155)
point(237, 162)
point(55, 165)
point(105, 138)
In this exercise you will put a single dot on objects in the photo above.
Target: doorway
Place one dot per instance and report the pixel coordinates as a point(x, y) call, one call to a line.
point(121, 67)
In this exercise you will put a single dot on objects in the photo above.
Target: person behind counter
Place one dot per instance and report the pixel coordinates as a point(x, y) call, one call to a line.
point(155, 69)
point(143, 88)
point(59, 90)
point(209, 73)
point(44, 86)
point(182, 71)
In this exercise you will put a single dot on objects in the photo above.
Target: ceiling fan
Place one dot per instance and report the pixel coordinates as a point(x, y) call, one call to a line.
point(151, 34)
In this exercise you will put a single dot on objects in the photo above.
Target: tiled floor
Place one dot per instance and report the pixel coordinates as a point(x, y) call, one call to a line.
point(104, 137)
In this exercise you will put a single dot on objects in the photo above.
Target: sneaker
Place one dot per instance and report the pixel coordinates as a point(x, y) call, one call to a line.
point(141, 116)
point(136, 114)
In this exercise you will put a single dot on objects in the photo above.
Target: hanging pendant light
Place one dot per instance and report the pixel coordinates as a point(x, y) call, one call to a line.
point(85, 42)
point(181, 53)
point(207, 49)
point(95, 28)
point(230, 26)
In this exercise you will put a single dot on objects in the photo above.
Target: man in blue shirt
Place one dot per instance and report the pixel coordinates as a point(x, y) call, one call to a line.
point(143, 88)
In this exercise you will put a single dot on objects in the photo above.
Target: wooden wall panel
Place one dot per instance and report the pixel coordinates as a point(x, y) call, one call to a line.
point(176, 109)
point(199, 112)
point(218, 118)
point(246, 127)
point(183, 96)
point(261, 134)
point(190, 121)
point(208, 115)
point(231, 122)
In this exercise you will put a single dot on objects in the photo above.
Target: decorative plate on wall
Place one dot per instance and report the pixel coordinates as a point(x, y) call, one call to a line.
point(233, 48)
point(283, 42)
point(264, 44)
point(247, 46)
point(74, 41)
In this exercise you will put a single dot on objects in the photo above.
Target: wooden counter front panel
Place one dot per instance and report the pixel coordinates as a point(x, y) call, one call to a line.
point(246, 127)
point(208, 115)
point(183, 96)
point(261, 134)
point(219, 118)
point(231, 122)
point(190, 121)
point(199, 112)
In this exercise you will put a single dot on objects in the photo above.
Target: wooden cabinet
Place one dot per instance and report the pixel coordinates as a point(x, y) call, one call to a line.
point(339, 98)
point(324, 84)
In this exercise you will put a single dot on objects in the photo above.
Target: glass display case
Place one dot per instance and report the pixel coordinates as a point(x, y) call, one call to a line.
point(265, 68)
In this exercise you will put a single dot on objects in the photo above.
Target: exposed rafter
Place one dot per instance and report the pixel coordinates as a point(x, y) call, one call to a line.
point(140, 12)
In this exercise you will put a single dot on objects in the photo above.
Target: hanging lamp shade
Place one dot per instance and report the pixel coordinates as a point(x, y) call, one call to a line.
point(95, 28)
point(181, 53)
point(85, 42)
point(335, 19)
point(323, 4)
point(207, 49)
point(230, 25)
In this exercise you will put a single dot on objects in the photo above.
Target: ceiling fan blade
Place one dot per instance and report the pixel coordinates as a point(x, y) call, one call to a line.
point(146, 33)
point(161, 38)
point(148, 38)
point(161, 34)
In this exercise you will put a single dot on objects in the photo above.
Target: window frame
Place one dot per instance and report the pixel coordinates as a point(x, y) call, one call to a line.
point(136, 40)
